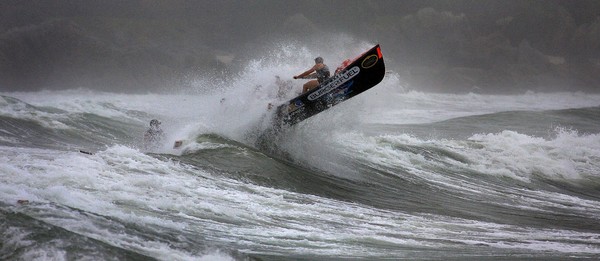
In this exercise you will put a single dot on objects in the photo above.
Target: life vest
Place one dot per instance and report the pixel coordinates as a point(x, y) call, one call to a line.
point(323, 73)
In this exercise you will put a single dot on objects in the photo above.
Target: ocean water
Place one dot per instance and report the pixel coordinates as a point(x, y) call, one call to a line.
point(390, 174)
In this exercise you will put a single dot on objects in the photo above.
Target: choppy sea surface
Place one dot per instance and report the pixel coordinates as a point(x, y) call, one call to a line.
point(390, 174)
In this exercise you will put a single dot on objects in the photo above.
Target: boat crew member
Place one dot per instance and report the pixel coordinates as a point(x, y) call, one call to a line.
point(153, 135)
point(319, 71)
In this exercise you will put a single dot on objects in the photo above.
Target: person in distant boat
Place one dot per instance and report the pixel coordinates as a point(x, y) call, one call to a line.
point(319, 71)
point(153, 135)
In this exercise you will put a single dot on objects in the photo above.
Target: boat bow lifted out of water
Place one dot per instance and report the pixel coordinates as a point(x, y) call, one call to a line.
point(359, 75)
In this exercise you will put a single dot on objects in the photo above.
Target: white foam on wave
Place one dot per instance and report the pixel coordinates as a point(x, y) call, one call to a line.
point(118, 182)
point(415, 107)
point(568, 156)
point(21, 110)
point(75, 101)
point(123, 184)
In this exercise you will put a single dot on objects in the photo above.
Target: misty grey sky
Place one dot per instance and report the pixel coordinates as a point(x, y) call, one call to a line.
point(461, 44)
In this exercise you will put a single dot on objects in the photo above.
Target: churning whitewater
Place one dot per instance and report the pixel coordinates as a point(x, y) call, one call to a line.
point(389, 174)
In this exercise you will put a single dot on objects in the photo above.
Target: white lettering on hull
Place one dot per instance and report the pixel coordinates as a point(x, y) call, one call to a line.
point(337, 81)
